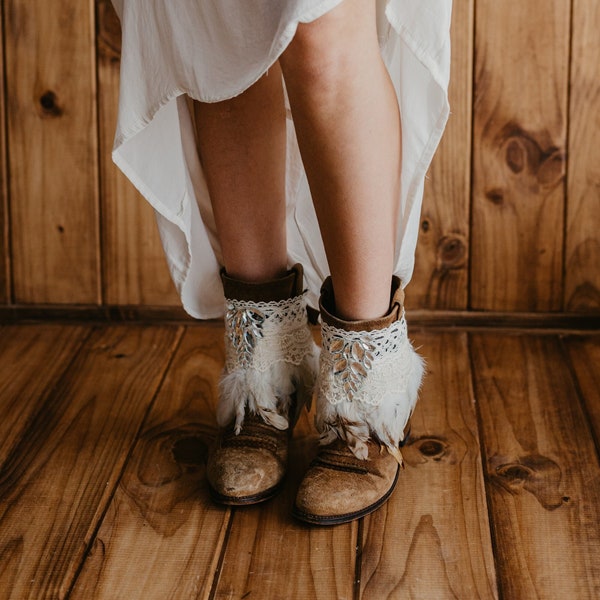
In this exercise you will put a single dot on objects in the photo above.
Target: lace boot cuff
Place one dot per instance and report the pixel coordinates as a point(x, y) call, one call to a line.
point(369, 377)
point(271, 361)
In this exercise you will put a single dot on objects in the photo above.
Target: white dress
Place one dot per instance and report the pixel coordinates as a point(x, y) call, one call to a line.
point(213, 50)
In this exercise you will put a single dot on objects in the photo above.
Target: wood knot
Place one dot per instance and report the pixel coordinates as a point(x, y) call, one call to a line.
point(432, 448)
point(452, 252)
point(495, 196)
point(531, 155)
point(49, 104)
point(190, 451)
point(166, 471)
point(516, 156)
point(425, 225)
point(514, 473)
point(169, 455)
point(533, 473)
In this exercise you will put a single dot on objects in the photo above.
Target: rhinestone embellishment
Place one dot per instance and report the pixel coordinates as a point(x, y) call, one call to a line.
point(352, 360)
point(245, 328)
point(364, 366)
point(260, 334)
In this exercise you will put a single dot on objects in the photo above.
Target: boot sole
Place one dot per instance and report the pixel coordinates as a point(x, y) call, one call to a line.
point(245, 500)
point(347, 517)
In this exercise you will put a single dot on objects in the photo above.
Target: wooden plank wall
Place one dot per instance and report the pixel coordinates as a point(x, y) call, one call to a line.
point(512, 203)
point(583, 207)
point(52, 151)
point(4, 260)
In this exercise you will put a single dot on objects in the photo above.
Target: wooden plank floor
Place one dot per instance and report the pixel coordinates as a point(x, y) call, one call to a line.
point(104, 432)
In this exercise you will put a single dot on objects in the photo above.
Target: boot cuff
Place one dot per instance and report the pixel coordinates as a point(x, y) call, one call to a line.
point(273, 290)
point(327, 307)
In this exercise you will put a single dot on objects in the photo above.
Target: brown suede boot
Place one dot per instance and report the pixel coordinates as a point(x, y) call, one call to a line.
point(271, 364)
point(368, 383)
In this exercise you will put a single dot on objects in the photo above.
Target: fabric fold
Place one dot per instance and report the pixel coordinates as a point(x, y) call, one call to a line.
point(212, 51)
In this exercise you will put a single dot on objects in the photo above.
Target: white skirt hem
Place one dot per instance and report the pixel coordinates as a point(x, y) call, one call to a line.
point(155, 147)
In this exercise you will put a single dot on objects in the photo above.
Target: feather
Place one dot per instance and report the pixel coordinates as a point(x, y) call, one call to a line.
point(271, 394)
point(232, 387)
point(304, 378)
point(395, 452)
point(356, 422)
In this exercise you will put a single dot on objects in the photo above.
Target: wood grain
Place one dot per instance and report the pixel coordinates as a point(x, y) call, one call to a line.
point(134, 267)
point(520, 116)
point(541, 466)
point(57, 479)
point(88, 444)
point(432, 539)
point(32, 359)
point(442, 257)
point(5, 292)
point(53, 147)
point(584, 354)
point(162, 535)
point(582, 275)
point(269, 555)
point(56, 133)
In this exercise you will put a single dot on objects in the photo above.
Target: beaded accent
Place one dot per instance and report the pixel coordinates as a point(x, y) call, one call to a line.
point(365, 366)
point(259, 334)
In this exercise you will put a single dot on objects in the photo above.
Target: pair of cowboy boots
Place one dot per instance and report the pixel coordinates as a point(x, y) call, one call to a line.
point(366, 382)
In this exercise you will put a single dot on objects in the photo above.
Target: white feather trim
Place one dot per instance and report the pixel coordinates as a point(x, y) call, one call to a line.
point(271, 362)
point(357, 420)
point(269, 393)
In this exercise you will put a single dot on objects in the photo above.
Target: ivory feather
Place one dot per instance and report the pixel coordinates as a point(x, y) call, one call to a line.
point(269, 394)
point(357, 422)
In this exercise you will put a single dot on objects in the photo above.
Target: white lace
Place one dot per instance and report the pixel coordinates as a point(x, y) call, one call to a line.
point(259, 334)
point(364, 366)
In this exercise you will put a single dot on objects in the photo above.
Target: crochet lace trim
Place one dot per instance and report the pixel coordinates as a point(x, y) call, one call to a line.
point(259, 334)
point(365, 366)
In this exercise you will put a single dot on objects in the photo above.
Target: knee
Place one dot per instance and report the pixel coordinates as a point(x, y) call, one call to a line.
point(317, 53)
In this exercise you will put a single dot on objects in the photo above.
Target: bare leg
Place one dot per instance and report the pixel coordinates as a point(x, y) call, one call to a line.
point(347, 121)
point(242, 147)
point(241, 144)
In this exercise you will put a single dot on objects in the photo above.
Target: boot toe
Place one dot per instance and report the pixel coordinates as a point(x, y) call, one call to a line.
point(334, 493)
point(244, 475)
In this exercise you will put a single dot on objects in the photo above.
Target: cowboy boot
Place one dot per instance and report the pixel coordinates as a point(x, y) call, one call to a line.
point(269, 374)
point(367, 387)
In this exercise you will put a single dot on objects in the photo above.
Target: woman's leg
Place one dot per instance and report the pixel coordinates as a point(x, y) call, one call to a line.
point(348, 125)
point(241, 143)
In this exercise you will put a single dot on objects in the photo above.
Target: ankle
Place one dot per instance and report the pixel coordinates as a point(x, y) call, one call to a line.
point(331, 314)
point(284, 285)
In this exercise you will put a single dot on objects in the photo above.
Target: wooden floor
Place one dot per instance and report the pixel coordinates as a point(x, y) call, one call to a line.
point(103, 437)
